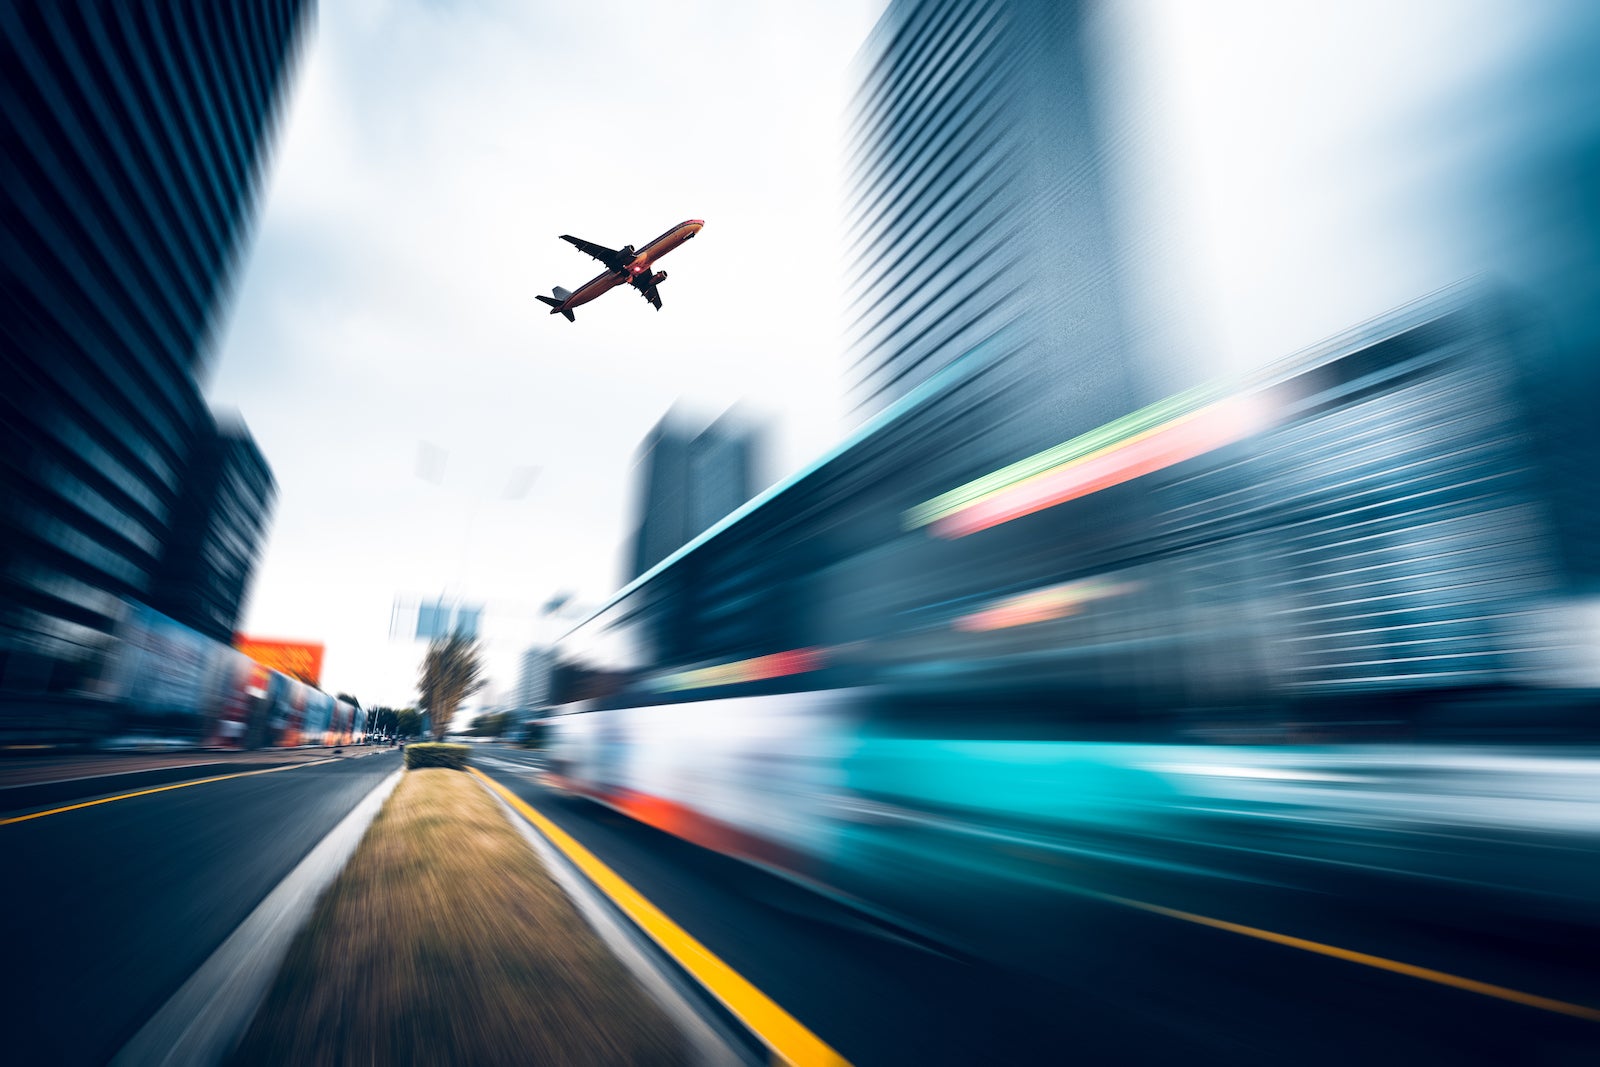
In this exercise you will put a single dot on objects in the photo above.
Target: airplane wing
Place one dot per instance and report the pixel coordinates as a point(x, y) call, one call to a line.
point(647, 289)
point(609, 256)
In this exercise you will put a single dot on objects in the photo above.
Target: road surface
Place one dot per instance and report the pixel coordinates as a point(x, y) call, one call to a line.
point(1106, 981)
point(108, 908)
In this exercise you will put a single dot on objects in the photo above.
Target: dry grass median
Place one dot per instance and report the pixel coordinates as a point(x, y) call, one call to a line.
point(444, 941)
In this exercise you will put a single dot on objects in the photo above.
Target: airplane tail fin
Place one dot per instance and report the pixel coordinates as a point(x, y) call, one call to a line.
point(556, 301)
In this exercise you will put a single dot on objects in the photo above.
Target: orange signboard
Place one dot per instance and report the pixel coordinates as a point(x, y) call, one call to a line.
point(297, 659)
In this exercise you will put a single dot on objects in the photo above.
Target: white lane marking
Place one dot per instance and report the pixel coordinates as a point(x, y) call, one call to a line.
point(509, 765)
point(204, 1020)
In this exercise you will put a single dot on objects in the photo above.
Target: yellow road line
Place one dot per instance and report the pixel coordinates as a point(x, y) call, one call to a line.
point(789, 1041)
point(157, 789)
point(1427, 974)
point(737, 992)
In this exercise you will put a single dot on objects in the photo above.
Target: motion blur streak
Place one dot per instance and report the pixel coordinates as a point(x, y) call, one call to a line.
point(1123, 600)
point(1041, 605)
point(1141, 453)
point(136, 138)
point(790, 1041)
point(750, 670)
point(1303, 664)
point(1128, 428)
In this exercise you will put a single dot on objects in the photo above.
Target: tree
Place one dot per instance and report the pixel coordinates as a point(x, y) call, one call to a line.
point(452, 670)
point(381, 720)
point(492, 725)
point(407, 723)
point(348, 699)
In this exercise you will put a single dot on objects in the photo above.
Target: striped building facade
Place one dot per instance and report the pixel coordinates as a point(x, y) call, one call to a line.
point(134, 138)
point(979, 242)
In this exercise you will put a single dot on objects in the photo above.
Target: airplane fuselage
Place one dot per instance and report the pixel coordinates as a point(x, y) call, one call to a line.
point(643, 262)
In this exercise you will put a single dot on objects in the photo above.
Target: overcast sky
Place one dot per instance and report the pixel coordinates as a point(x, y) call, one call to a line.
point(431, 155)
point(1280, 182)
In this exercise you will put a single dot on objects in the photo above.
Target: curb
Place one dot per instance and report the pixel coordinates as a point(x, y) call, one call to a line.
point(204, 1020)
point(714, 1037)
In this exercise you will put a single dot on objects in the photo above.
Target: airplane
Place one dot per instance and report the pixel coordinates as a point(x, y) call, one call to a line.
point(623, 267)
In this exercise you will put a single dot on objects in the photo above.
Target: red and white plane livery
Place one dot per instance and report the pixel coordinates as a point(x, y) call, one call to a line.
point(624, 267)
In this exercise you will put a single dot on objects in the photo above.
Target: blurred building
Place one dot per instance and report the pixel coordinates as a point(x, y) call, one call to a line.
point(1385, 536)
point(688, 482)
point(662, 475)
point(218, 528)
point(134, 138)
point(419, 618)
point(533, 677)
point(435, 619)
point(721, 472)
point(1526, 212)
point(979, 241)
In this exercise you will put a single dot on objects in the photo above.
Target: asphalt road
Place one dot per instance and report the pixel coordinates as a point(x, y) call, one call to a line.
point(1106, 982)
point(106, 910)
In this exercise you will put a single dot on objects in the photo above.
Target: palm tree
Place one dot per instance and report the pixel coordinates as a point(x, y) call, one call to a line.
point(452, 670)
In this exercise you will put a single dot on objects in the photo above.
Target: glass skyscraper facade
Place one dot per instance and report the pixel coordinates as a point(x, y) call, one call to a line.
point(662, 477)
point(979, 234)
point(217, 532)
point(688, 482)
point(1410, 541)
point(134, 139)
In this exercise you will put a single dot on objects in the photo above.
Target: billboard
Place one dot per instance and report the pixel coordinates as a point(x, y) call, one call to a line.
point(428, 620)
point(297, 659)
point(433, 620)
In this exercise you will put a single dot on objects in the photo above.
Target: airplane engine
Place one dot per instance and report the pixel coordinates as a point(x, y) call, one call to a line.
point(660, 276)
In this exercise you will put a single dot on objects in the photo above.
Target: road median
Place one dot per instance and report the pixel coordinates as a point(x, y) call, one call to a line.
point(445, 941)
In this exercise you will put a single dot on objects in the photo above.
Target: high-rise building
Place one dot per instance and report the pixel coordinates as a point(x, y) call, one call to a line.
point(217, 532)
point(662, 475)
point(533, 677)
point(134, 137)
point(980, 240)
point(429, 620)
point(688, 482)
point(721, 472)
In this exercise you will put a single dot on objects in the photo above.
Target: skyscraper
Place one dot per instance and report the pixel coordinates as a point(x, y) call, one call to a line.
point(134, 138)
point(980, 233)
point(217, 532)
point(662, 476)
point(721, 472)
point(688, 482)
point(533, 677)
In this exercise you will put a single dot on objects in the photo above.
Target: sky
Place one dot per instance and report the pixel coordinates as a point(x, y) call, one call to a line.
point(429, 157)
point(1281, 171)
